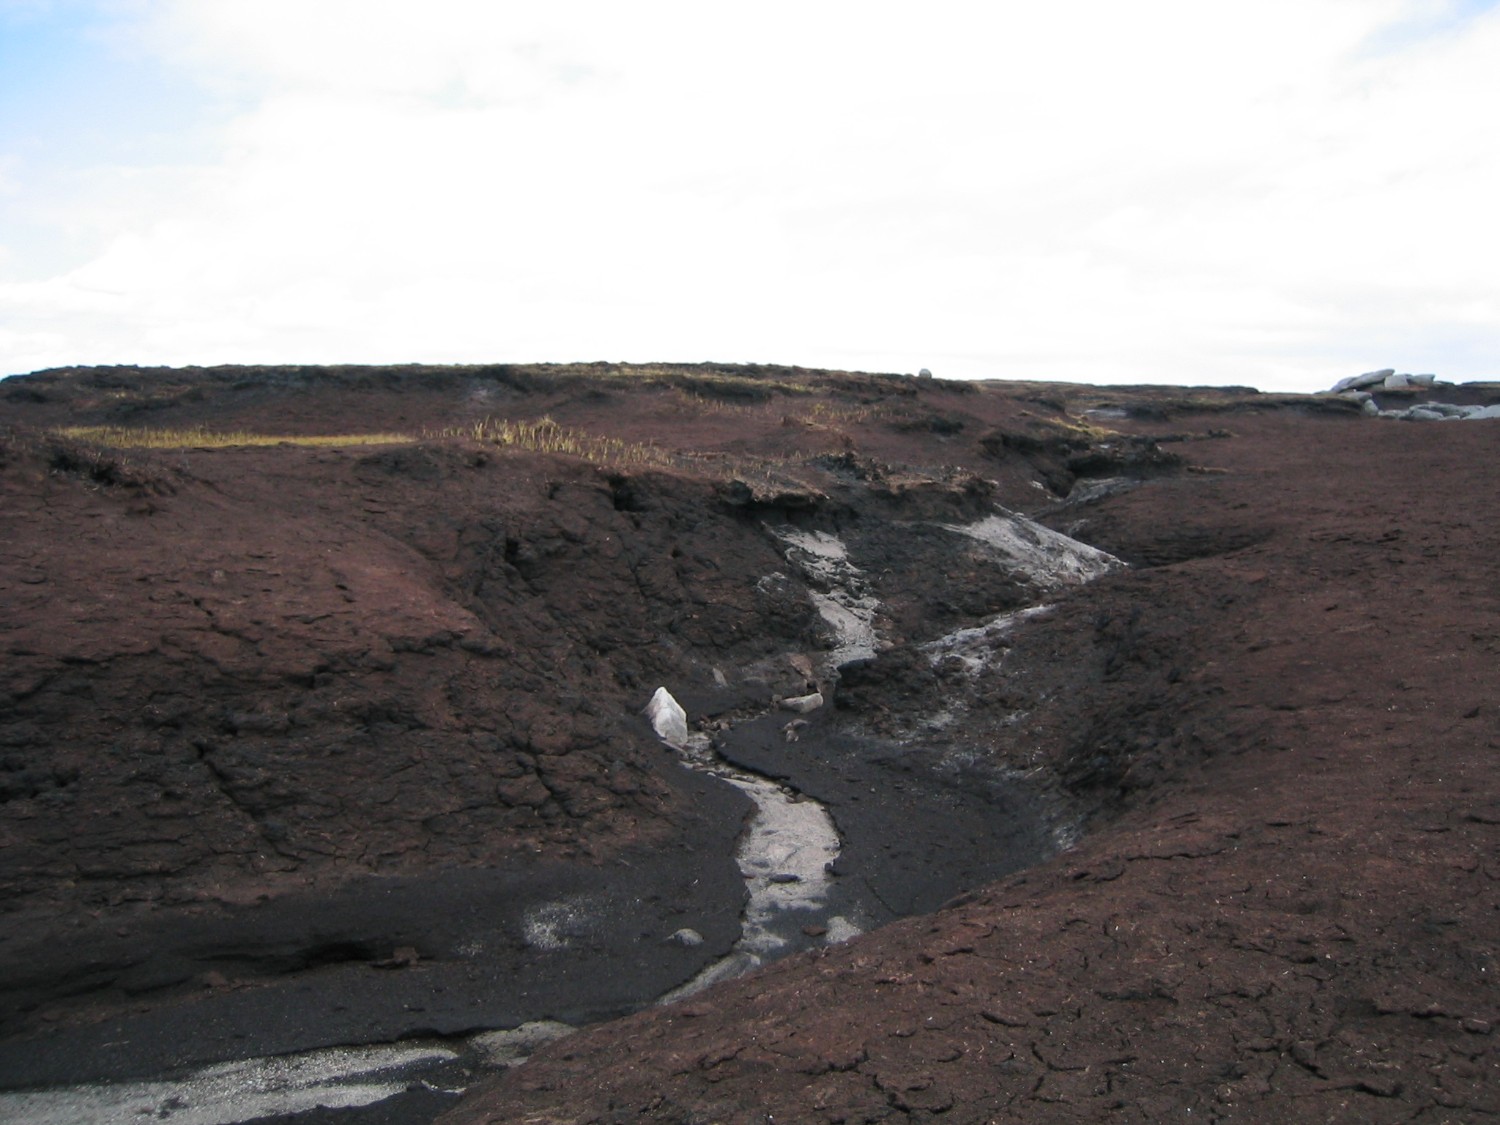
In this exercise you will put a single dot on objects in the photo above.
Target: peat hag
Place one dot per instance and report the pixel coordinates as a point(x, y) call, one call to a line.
point(321, 725)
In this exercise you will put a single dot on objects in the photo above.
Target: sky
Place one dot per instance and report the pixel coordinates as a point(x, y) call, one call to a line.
point(1276, 193)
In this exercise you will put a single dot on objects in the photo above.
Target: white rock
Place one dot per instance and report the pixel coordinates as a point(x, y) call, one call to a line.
point(668, 718)
point(1485, 412)
point(1422, 380)
point(686, 937)
point(802, 704)
point(1396, 382)
point(1369, 406)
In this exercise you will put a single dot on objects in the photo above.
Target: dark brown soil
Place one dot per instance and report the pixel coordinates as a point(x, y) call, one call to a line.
point(241, 684)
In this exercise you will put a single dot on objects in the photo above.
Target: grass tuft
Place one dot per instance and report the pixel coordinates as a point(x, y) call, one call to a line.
point(544, 435)
point(127, 437)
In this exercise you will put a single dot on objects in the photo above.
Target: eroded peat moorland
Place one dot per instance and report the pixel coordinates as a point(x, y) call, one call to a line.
point(1158, 727)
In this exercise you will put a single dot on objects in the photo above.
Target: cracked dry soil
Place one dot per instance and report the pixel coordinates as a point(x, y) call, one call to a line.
point(238, 678)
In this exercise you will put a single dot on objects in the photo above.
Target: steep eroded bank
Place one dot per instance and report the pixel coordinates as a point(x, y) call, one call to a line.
point(334, 723)
point(1288, 913)
point(246, 686)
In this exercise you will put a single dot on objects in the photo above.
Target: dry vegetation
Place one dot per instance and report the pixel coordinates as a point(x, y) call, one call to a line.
point(150, 437)
point(544, 435)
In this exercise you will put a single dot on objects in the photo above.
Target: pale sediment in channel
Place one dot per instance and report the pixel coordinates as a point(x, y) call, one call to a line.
point(784, 854)
point(339, 1078)
point(843, 601)
point(1049, 558)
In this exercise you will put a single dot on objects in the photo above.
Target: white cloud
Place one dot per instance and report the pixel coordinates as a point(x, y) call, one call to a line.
point(1159, 191)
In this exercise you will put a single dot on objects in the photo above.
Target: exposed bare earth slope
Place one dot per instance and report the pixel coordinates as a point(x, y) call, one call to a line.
point(239, 684)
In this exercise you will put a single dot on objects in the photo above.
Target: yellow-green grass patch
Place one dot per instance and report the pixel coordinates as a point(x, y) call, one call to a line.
point(151, 437)
point(543, 435)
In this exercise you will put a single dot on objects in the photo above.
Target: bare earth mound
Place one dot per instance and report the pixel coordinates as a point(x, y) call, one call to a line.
point(300, 744)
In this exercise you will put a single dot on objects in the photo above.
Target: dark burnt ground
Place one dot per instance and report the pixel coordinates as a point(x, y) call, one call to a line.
point(239, 680)
point(1290, 912)
point(238, 695)
point(253, 697)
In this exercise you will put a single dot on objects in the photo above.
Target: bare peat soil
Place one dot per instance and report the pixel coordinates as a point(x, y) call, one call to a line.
point(298, 744)
point(1292, 913)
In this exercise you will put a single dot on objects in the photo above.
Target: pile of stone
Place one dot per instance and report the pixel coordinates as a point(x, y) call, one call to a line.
point(1443, 412)
point(1360, 388)
point(1385, 379)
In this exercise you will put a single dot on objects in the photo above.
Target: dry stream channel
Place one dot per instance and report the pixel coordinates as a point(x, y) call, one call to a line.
point(785, 853)
point(911, 831)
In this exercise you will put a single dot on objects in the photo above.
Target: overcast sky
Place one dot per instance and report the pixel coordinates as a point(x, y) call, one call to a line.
point(1270, 192)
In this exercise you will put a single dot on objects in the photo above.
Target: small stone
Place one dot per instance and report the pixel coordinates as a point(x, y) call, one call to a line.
point(1476, 1026)
point(403, 957)
point(686, 937)
point(802, 704)
point(785, 877)
point(814, 931)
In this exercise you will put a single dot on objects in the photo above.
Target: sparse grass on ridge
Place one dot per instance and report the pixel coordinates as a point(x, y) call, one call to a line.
point(127, 437)
point(751, 384)
point(542, 435)
point(547, 436)
point(809, 409)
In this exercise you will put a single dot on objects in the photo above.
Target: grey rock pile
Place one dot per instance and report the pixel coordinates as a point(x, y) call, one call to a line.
point(1385, 379)
point(1443, 412)
point(1361, 388)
